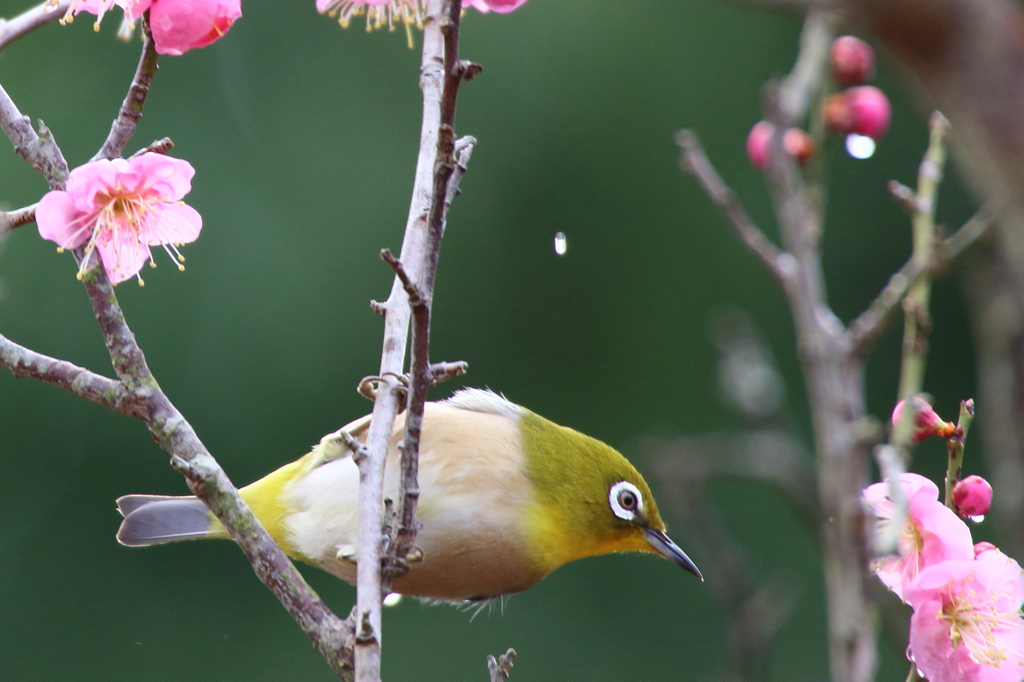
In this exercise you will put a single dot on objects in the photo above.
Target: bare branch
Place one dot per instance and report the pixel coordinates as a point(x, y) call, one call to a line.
point(25, 363)
point(802, 84)
point(123, 127)
point(12, 219)
point(779, 264)
point(41, 152)
point(161, 146)
point(28, 21)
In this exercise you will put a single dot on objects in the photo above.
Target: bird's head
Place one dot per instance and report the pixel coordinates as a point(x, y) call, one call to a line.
point(589, 500)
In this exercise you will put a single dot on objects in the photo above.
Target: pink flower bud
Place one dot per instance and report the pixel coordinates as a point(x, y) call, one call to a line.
point(182, 25)
point(796, 142)
point(853, 61)
point(926, 422)
point(981, 547)
point(757, 144)
point(870, 111)
point(972, 496)
point(863, 110)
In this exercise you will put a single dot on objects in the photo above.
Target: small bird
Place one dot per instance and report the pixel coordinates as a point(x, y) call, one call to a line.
point(506, 497)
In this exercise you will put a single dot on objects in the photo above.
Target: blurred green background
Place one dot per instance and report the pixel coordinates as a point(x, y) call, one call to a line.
point(304, 139)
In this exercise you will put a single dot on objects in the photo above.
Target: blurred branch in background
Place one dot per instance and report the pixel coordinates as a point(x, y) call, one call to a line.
point(755, 609)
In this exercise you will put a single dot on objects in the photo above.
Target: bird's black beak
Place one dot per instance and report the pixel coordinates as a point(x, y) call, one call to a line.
point(671, 550)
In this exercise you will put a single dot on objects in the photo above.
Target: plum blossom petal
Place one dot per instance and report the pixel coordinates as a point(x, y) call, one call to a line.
point(967, 623)
point(500, 6)
point(57, 216)
point(118, 209)
point(182, 25)
point(932, 533)
point(133, 9)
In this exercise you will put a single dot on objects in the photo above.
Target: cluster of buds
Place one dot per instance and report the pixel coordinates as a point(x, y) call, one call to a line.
point(795, 142)
point(860, 109)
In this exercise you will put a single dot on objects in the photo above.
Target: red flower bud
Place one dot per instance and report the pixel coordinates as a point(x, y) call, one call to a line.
point(864, 110)
point(853, 61)
point(870, 111)
point(926, 422)
point(972, 496)
point(796, 142)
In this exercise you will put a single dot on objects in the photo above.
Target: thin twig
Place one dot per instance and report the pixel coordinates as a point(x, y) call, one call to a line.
point(501, 668)
point(917, 319)
point(389, 391)
point(161, 146)
point(18, 217)
point(798, 89)
point(421, 296)
point(865, 329)
point(123, 128)
point(29, 20)
point(25, 363)
point(779, 264)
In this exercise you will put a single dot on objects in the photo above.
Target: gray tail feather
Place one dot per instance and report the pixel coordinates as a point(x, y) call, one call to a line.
point(156, 519)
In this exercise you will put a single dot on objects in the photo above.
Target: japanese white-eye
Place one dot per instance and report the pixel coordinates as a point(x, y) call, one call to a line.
point(506, 497)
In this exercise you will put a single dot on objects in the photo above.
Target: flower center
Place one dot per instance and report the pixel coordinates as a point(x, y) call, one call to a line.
point(407, 12)
point(975, 627)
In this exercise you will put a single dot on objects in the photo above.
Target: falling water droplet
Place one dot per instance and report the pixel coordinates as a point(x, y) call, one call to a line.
point(561, 244)
point(978, 518)
point(859, 146)
point(392, 599)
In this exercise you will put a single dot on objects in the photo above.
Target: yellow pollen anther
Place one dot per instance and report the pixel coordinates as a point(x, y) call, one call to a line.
point(96, 26)
point(181, 268)
point(60, 249)
point(141, 283)
point(79, 276)
point(152, 264)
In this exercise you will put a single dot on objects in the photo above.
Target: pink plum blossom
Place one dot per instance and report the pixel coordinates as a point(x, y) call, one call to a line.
point(182, 25)
point(932, 533)
point(967, 624)
point(972, 496)
point(119, 209)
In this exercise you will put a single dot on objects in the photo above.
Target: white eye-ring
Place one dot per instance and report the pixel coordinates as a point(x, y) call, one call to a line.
point(625, 500)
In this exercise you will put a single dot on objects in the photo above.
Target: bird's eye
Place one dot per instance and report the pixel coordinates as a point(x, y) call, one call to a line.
point(625, 500)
